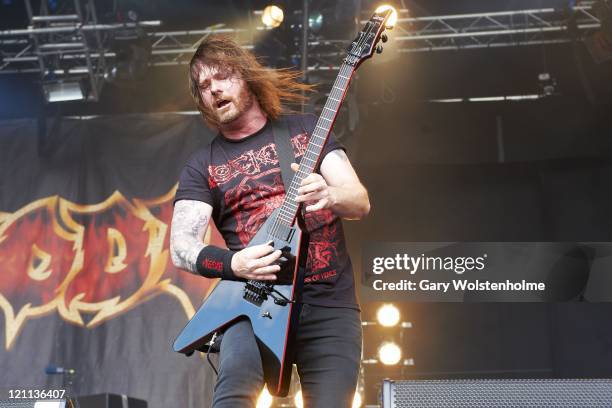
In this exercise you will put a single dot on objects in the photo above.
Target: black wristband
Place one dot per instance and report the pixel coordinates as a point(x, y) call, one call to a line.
point(215, 262)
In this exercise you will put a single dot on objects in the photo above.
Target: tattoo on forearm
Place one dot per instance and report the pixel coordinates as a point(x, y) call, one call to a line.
point(189, 224)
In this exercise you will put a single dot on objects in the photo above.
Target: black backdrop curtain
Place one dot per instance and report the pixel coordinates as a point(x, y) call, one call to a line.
point(86, 281)
point(92, 198)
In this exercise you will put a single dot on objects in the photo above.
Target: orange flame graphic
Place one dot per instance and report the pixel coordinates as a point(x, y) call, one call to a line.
point(90, 263)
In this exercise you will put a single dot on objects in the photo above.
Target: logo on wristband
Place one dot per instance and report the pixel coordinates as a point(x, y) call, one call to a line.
point(212, 264)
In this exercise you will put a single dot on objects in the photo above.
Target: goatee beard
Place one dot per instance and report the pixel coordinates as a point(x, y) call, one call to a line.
point(242, 104)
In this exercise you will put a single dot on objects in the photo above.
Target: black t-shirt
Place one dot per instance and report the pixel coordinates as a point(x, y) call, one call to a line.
point(241, 180)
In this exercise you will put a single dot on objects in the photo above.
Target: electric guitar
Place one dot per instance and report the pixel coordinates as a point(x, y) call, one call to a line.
point(272, 308)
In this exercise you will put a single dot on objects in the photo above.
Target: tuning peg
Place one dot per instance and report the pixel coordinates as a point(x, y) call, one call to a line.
point(384, 38)
point(379, 49)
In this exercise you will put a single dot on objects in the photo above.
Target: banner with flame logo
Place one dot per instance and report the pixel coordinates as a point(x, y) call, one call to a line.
point(86, 279)
point(89, 263)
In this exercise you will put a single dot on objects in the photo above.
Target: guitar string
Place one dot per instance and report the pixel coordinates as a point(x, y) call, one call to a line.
point(336, 95)
point(283, 211)
point(333, 94)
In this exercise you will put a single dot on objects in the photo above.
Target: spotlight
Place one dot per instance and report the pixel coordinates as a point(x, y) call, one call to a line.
point(389, 353)
point(392, 18)
point(388, 315)
point(272, 16)
point(49, 404)
point(265, 399)
point(331, 19)
point(63, 91)
point(547, 83)
point(315, 21)
point(357, 400)
point(297, 400)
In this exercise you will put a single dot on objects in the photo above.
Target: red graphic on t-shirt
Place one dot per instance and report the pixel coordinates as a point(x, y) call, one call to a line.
point(255, 197)
point(252, 202)
point(323, 248)
point(250, 163)
point(315, 277)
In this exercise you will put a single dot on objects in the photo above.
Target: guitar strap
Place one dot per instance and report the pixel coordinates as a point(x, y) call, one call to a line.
point(284, 151)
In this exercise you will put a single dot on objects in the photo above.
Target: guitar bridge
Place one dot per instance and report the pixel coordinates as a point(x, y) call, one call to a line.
point(256, 292)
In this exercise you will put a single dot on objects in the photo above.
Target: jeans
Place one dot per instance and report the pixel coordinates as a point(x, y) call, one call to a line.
point(327, 358)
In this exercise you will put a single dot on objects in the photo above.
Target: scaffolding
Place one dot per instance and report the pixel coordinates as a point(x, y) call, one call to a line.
point(498, 29)
point(76, 43)
point(66, 43)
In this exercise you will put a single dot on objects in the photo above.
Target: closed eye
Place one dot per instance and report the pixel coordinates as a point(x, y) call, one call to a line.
point(204, 86)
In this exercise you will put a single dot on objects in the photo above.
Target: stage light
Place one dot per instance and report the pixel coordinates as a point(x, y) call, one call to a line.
point(547, 83)
point(272, 16)
point(315, 21)
point(392, 18)
point(297, 400)
point(265, 399)
point(63, 91)
point(388, 315)
point(389, 353)
point(49, 404)
point(357, 400)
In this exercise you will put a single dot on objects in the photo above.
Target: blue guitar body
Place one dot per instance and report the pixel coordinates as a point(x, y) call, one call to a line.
point(271, 309)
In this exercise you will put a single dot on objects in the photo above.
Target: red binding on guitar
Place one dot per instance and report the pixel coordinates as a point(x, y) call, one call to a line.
point(271, 308)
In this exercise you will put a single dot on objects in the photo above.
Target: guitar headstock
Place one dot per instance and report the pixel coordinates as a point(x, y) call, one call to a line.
point(366, 42)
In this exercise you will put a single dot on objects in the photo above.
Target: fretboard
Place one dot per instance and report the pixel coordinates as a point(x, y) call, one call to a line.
point(312, 155)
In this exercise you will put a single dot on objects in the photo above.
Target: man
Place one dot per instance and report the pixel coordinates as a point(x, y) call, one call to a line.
point(237, 181)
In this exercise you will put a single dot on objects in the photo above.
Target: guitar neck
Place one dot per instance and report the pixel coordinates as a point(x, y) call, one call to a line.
point(320, 134)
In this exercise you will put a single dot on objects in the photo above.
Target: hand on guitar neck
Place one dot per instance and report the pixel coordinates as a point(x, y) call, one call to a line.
point(337, 188)
point(275, 262)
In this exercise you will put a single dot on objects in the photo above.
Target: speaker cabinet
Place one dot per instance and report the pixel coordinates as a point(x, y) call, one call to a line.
point(110, 401)
point(497, 393)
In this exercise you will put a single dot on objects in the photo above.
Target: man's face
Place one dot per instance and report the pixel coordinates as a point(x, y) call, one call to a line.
point(225, 94)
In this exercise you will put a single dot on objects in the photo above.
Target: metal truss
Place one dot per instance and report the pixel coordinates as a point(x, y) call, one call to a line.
point(498, 29)
point(68, 43)
point(21, 54)
point(177, 47)
point(75, 38)
point(54, 36)
point(418, 34)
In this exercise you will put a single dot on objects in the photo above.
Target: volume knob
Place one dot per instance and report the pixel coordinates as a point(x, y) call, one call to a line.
point(379, 49)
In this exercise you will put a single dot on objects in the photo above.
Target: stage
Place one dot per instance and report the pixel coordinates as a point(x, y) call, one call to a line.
point(480, 131)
